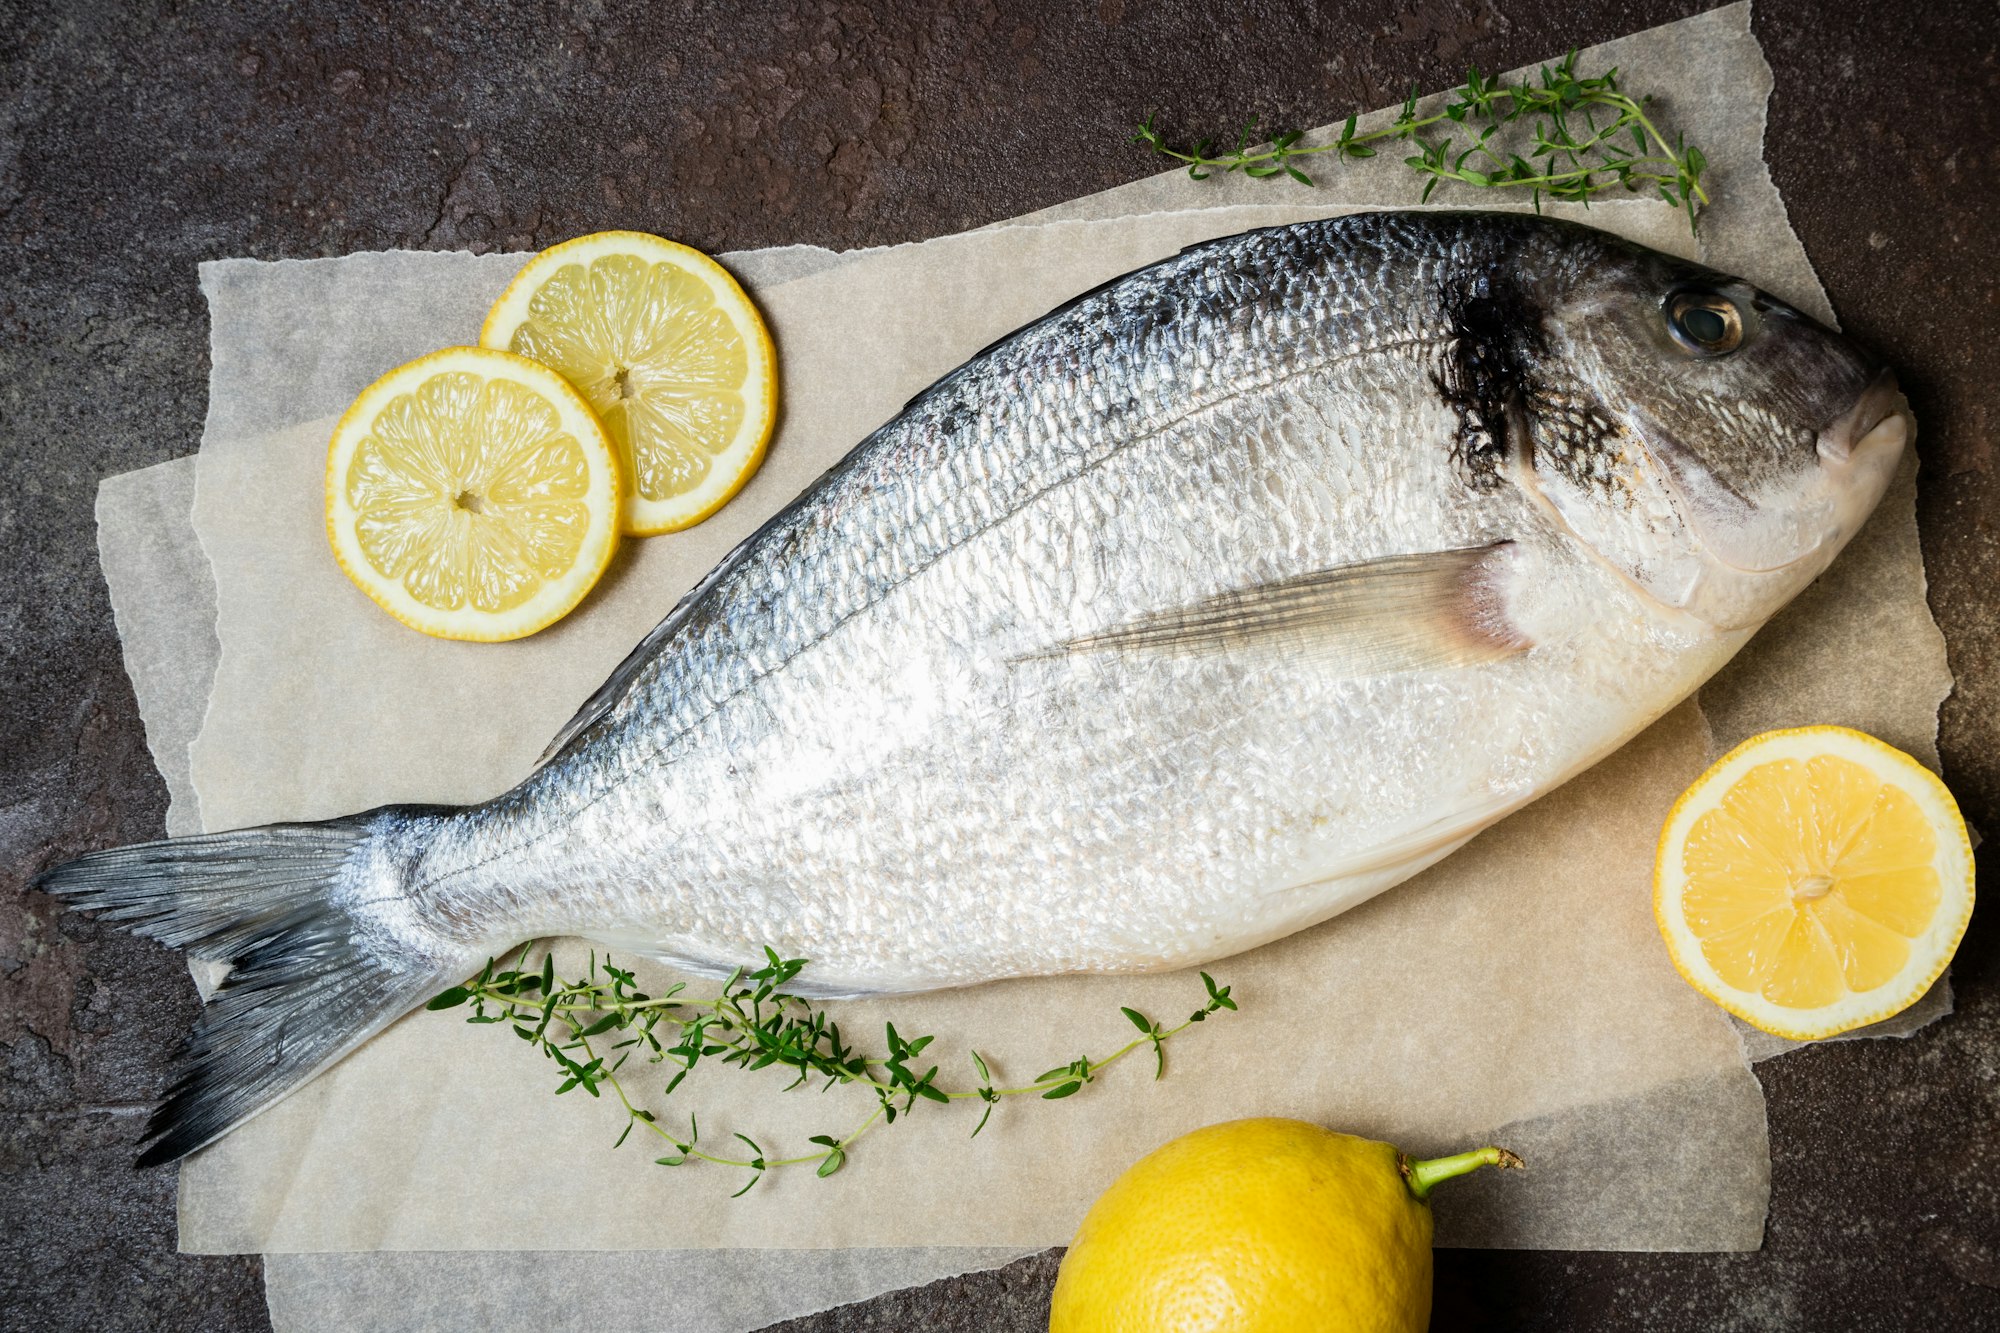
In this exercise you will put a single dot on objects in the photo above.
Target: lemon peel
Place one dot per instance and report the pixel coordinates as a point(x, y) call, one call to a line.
point(669, 352)
point(472, 494)
point(1813, 881)
point(1260, 1226)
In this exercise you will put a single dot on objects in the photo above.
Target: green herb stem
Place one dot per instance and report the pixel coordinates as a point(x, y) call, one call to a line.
point(1423, 1177)
point(751, 1023)
point(1589, 137)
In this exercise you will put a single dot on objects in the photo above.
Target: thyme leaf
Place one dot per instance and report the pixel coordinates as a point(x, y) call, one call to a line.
point(1584, 136)
point(751, 1023)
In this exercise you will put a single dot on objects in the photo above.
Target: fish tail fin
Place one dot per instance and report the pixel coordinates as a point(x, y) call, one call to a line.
point(310, 979)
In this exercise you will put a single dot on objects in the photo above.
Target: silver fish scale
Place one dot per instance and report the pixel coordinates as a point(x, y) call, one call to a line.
point(853, 743)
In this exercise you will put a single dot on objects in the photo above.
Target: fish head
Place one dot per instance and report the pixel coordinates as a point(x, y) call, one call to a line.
point(1713, 444)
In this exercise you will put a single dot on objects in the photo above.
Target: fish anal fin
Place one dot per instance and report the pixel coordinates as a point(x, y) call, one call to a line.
point(1435, 609)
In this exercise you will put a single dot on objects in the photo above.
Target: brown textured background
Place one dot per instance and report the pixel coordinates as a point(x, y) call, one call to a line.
point(139, 139)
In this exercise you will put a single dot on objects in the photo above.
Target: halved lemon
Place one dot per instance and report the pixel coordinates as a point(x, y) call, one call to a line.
point(1813, 881)
point(472, 494)
point(669, 352)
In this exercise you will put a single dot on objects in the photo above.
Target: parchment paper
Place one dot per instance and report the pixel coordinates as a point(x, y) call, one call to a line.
point(163, 603)
point(1403, 1020)
point(660, 1291)
point(305, 656)
point(1723, 28)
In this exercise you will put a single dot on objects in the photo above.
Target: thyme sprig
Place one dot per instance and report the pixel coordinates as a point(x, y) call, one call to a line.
point(1589, 136)
point(752, 1023)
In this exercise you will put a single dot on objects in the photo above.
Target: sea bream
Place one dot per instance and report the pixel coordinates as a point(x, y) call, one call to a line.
point(1203, 608)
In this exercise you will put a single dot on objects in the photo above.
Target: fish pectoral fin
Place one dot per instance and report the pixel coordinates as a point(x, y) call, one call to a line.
point(1398, 613)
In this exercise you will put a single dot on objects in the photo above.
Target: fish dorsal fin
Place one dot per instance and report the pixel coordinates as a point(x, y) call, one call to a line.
point(1398, 613)
point(606, 695)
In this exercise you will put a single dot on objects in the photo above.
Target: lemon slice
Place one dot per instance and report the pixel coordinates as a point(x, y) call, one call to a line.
point(472, 494)
point(668, 351)
point(1813, 881)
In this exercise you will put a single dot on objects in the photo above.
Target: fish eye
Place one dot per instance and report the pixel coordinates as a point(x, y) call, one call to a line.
point(1704, 323)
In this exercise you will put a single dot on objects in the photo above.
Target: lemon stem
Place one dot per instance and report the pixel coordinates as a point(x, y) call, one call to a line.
point(1421, 1176)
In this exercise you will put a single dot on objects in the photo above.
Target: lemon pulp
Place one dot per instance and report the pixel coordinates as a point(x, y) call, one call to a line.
point(472, 495)
point(668, 351)
point(1815, 882)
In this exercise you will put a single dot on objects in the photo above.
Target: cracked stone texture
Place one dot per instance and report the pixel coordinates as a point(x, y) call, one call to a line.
point(138, 139)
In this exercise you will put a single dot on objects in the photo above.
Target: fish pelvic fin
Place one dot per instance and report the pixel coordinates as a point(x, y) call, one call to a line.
point(316, 968)
point(1419, 847)
point(1436, 609)
point(647, 945)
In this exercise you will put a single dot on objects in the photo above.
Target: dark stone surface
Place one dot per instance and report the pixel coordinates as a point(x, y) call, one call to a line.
point(136, 140)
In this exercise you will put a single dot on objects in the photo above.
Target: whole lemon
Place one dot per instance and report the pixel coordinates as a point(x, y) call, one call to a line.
point(1259, 1226)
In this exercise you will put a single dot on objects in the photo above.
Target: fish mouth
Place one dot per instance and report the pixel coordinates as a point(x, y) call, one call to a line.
point(1859, 452)
point(1803, 527)
point(1878, 423)
point(1744, 566)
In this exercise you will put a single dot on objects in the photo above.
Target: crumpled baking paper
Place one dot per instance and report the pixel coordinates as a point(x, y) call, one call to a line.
point(1566, 1206)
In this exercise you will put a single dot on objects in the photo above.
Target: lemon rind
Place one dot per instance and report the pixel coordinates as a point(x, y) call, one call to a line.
point(466, 626)
point(1953, 860)
point(651, 518)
